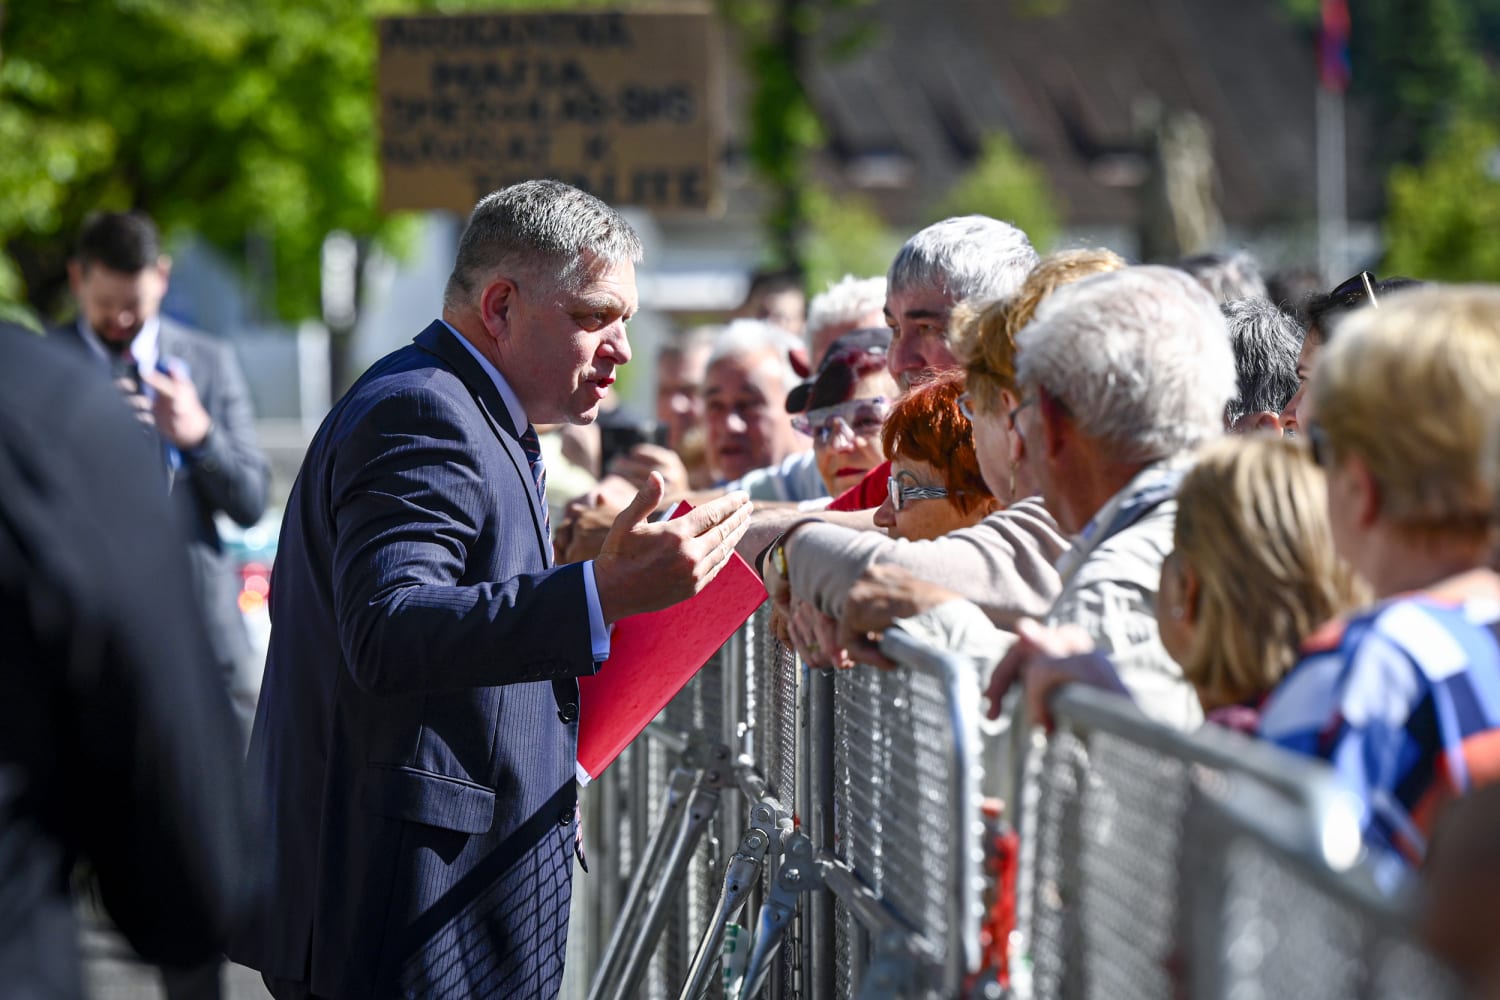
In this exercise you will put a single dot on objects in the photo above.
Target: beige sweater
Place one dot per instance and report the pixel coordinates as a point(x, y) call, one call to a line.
point(1109, 589)
point(1004, 564)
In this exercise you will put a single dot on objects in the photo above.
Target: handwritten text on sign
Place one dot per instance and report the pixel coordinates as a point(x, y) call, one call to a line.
point(627, 106)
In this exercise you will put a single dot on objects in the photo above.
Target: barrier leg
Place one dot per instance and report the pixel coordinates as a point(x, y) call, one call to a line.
point(621, 982)
point(769, 823)
point(648, 867)
point(743, 869)
point(799, 873)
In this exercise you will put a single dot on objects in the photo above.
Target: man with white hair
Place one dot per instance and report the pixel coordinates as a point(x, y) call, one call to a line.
point(847, 305)
point(751, 442)
point(970, 258)
point(1122, 376)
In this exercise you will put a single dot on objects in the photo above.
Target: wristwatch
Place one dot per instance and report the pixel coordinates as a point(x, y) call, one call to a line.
point(778, 556)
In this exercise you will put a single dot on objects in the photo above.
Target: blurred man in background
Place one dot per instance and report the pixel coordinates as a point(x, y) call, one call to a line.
point(776, 297)
point(187, 389)
point(847, 305)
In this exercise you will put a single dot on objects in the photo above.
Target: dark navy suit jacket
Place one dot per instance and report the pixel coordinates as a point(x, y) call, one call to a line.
point(411, 743)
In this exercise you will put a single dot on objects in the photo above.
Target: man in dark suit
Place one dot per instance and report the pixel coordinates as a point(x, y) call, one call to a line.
point(115, 745)
point(416, 735)
point(187, 389)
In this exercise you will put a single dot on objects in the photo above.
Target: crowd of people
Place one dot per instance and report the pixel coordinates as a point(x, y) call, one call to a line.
point(1230, 508)
point(1272, 515)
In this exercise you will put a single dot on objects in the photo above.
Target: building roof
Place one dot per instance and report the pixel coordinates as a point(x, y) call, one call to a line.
point(1068, 80)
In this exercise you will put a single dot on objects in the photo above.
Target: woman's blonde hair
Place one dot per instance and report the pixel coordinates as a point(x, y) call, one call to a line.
point(1252, 522)
point(985, 335)
point(1408, 388)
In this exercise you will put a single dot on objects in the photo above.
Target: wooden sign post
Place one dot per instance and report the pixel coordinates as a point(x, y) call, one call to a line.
point(627, 106)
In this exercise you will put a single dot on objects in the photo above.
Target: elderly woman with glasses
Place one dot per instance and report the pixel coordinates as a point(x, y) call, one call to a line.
point(935, 485)
point(845, 410)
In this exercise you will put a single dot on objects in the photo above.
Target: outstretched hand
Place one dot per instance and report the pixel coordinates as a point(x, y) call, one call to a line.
point(646, 567)
point(881, 595)
point(1046, 659)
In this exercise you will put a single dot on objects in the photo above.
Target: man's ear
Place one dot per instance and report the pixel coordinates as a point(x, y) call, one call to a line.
point(75, 277)
point(1057, 424)
point(496, 303)
point(1264, 422)
point(164, 272)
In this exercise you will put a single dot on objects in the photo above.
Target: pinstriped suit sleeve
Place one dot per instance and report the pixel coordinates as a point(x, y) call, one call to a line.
point(411, 500)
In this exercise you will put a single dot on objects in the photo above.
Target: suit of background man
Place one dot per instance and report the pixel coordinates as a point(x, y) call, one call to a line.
point(115, 744)
point(416, 734)
point(188, 388)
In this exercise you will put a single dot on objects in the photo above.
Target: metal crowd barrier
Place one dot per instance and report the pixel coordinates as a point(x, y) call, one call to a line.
point(829, 818)
point(1159, 864)
point(825, 828)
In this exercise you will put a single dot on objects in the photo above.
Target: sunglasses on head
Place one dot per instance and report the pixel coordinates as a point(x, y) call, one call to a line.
point(1362, 284)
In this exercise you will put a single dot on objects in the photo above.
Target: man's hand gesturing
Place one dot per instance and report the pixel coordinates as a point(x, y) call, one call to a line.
point(646, 567)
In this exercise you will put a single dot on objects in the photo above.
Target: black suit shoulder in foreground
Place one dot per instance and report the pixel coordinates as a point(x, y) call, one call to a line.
point(115, 744)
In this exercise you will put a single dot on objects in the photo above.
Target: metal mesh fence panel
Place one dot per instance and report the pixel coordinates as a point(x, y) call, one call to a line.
point(1159, 865)
point(892, 777)
point(1107, 840)
point(1290, 935)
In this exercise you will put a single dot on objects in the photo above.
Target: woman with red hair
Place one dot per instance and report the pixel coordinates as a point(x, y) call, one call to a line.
point(935, 485)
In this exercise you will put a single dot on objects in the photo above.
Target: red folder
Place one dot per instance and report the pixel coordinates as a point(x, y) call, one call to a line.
point(651, 658)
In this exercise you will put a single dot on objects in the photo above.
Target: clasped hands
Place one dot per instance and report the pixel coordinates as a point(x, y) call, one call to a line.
point(1044, 658)
point(880, 596)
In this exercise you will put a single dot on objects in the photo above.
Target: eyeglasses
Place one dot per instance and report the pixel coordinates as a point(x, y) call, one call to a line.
point(900, 493)
point(858, 418)
point(1011, 416)
point(1363, 282)
point(1317, 440)
point(966, 406)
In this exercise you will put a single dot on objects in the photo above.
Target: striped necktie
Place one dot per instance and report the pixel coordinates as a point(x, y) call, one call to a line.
point(533, 449)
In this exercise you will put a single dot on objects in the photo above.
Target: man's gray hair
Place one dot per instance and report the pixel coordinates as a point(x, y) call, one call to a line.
point(544, 230)
point(968, 257)
point(744, 338)
point(1227, 277)
point(1140, 357)
point(1265, 342)
point(846, 301)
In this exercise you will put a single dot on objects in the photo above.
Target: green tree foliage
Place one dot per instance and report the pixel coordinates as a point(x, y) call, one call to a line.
point(784, 127)
point(1444, 214)
point(845, 235)
point(243, 121)
point(1005, 184)
point(1418, 61)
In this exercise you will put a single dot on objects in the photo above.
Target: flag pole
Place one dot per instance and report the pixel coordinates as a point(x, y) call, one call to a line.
point(1333, 80)
point(1333, 224)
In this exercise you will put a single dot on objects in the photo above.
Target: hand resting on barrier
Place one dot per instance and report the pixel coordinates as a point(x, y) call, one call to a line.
point(1045, 659)
point(882, 594)
point(815, 636)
